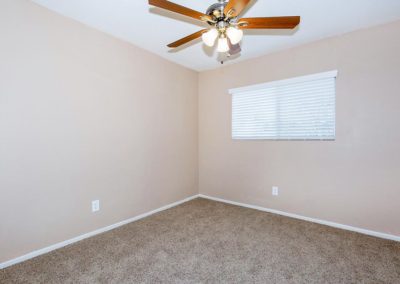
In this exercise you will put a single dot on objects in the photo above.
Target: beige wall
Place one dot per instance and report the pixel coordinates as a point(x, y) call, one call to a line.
point(353, 180)
point(84, 116)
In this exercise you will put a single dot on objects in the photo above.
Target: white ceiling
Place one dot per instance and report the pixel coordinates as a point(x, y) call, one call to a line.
point(152, 28)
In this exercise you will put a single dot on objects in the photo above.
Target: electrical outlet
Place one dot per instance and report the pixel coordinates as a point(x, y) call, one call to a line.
point(95, 205)
point(275, 191)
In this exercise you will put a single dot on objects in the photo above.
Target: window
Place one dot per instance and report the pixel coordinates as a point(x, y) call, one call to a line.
point(301, 108)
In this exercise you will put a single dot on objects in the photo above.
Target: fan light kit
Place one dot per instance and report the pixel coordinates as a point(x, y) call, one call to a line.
point(224, 23)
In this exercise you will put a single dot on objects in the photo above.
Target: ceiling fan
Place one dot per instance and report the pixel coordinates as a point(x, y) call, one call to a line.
point(225, 24)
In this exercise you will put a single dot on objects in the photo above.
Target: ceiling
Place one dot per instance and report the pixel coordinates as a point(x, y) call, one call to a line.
point(152, 28)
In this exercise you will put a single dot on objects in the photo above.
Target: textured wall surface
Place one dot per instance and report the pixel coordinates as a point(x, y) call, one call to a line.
point(84, 116)
point(353, 180)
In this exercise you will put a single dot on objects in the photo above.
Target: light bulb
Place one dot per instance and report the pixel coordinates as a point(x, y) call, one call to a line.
point(223, 45)
point(210, 37)
point(234, 34)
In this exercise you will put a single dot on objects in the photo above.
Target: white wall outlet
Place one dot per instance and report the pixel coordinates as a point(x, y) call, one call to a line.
point(95, 205)
point(275, 191)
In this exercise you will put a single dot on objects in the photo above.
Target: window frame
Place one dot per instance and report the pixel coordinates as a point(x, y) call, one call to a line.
point(323, 75)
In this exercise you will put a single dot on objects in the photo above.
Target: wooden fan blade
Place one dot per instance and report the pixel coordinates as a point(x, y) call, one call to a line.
point(270, 23)
point(235, 7)
point(179, 9)
point(186, 39)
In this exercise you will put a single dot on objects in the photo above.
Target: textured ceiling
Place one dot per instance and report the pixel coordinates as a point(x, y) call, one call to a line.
point(152, 28)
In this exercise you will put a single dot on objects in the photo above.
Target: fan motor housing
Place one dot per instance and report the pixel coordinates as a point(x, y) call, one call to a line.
point(216, 7)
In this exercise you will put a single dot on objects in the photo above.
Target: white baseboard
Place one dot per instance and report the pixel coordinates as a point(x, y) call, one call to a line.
point(141, 216)
point(318, 221)
point(90, 234)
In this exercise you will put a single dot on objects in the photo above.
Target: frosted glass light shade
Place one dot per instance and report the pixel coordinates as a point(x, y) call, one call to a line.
point(210, 37)
point(223, 45)
point(234, 34)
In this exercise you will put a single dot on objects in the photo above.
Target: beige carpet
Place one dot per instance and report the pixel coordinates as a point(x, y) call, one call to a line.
point(209, 242)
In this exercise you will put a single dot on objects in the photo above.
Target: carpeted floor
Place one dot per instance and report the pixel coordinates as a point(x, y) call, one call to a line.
point(204, 241)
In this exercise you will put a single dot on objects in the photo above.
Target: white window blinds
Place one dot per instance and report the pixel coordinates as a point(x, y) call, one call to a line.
point(301, 108)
